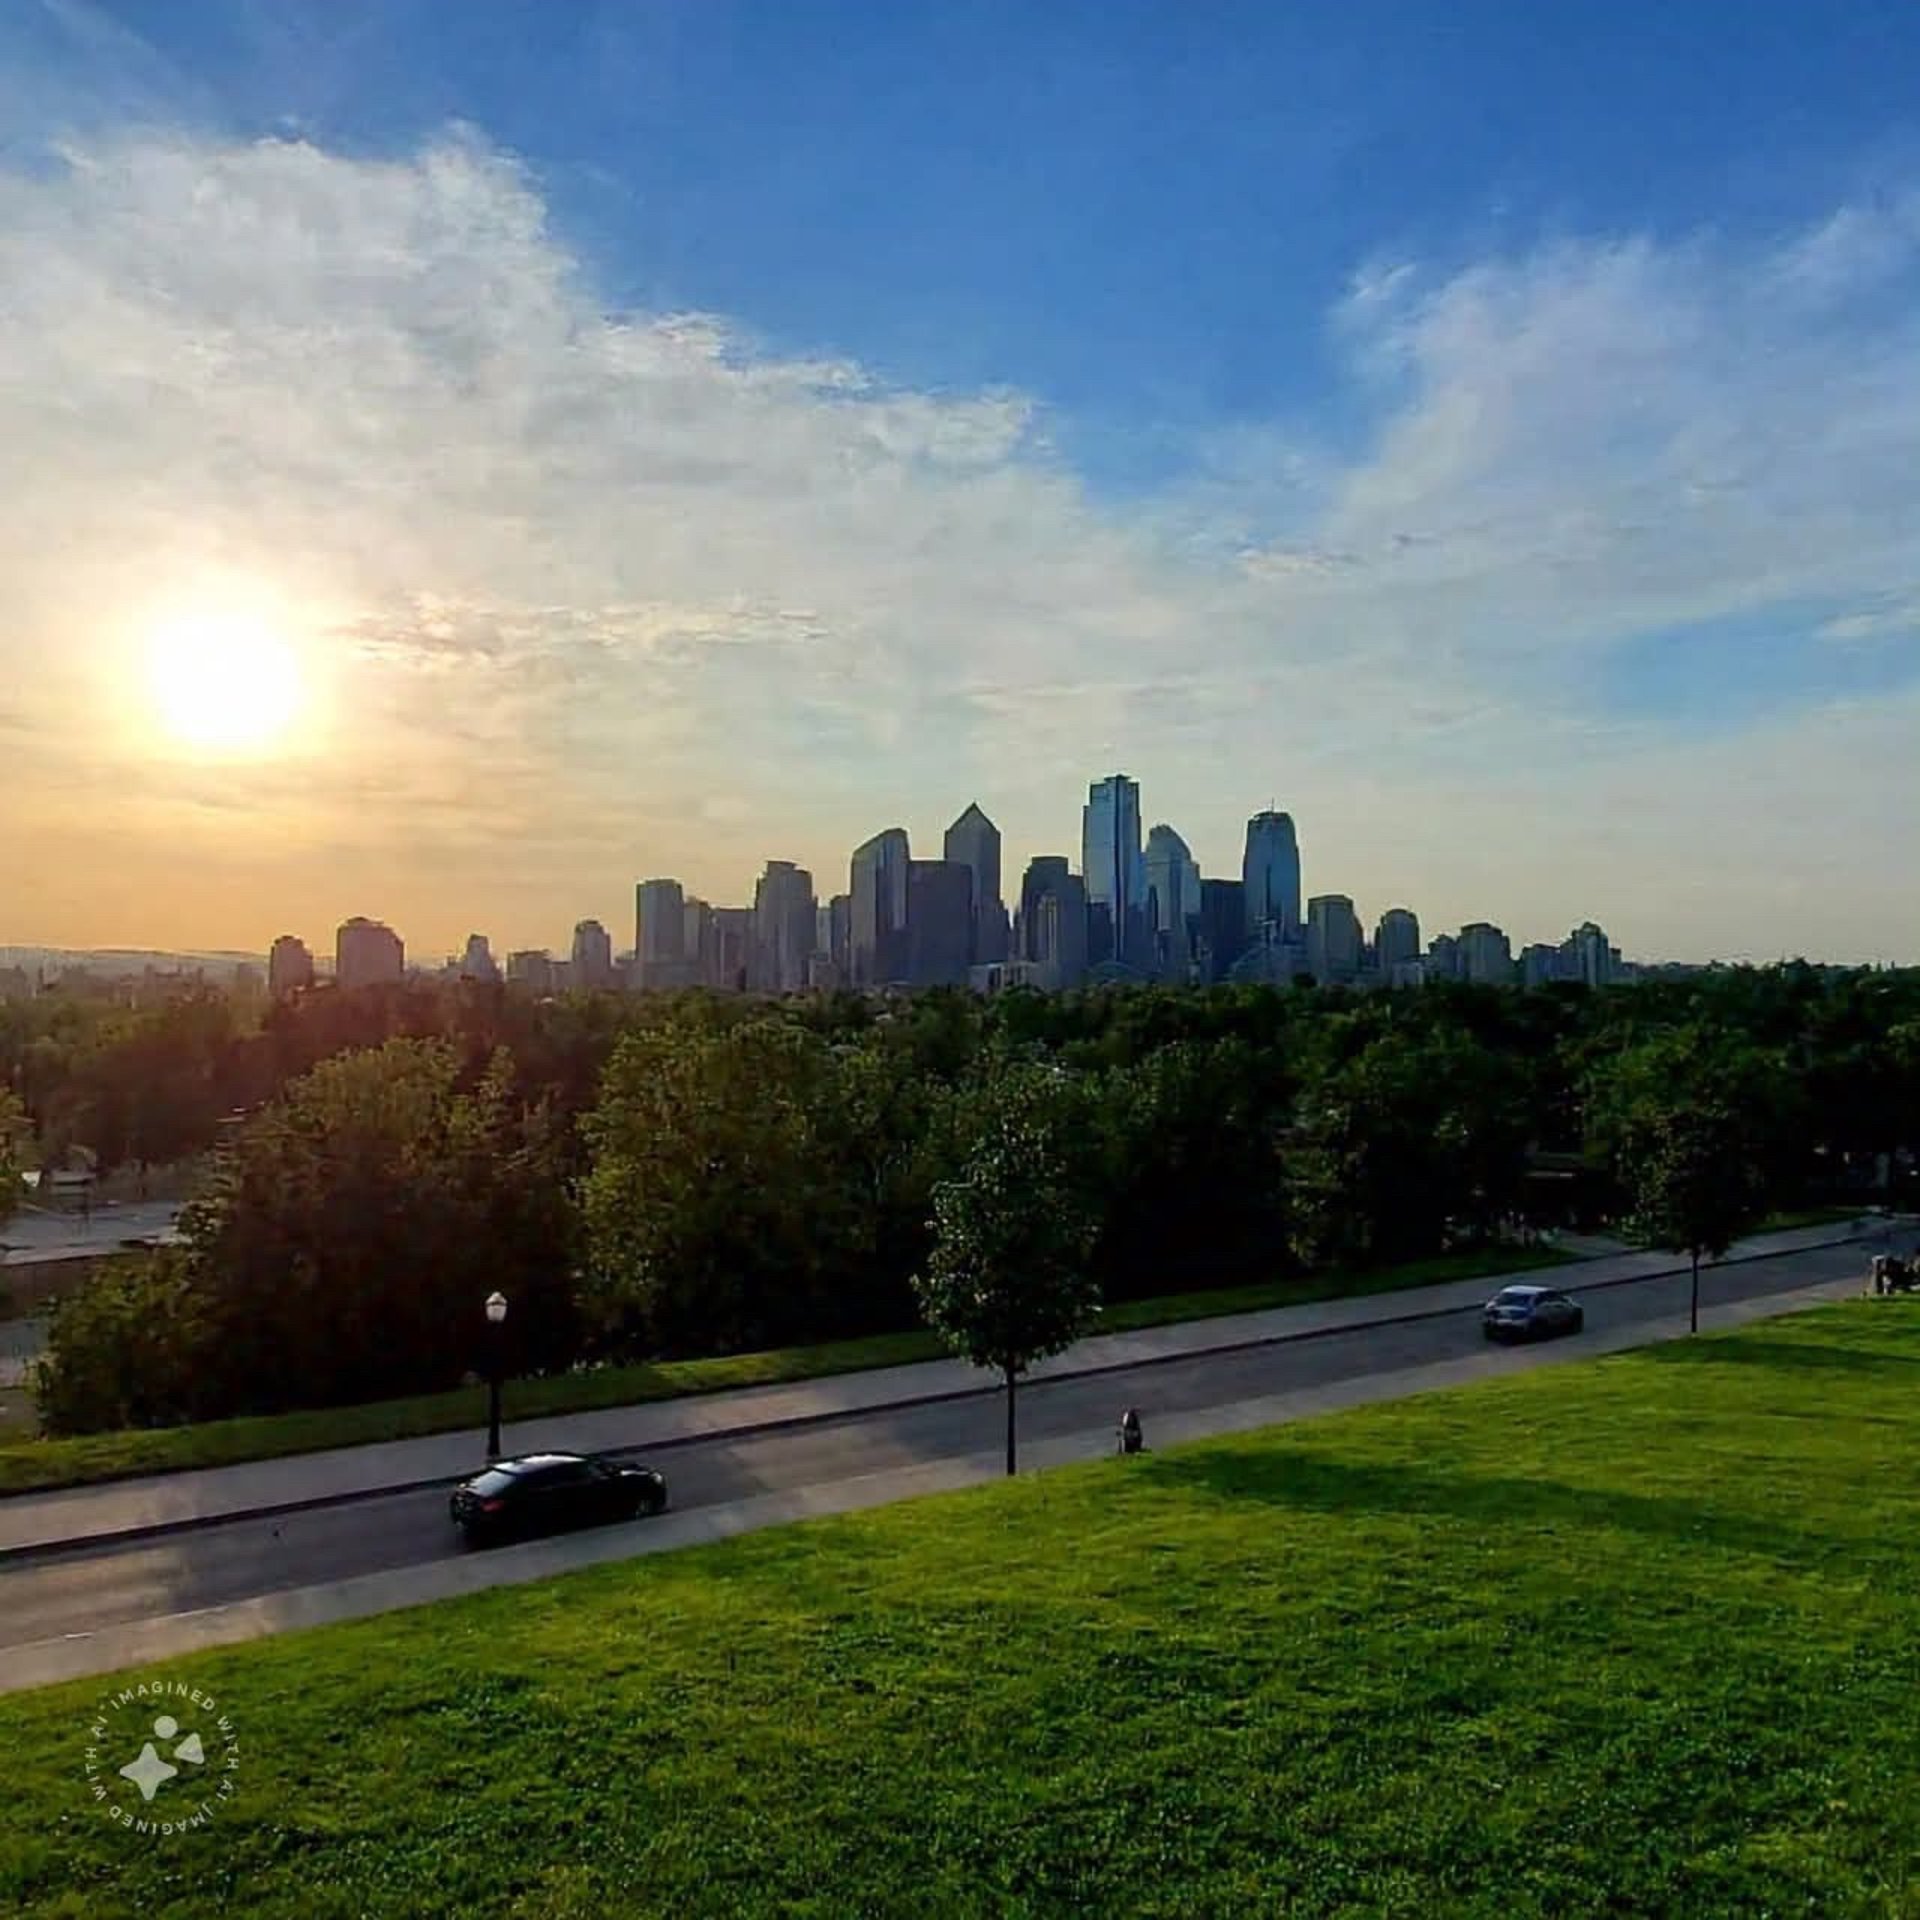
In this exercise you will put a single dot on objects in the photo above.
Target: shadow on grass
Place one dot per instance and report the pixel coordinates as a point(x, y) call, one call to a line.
point(1313, 1483)
point(1796, 1356)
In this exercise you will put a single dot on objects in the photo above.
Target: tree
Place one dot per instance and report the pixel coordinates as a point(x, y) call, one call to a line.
point(1695, 1185)
point(1689, 1123)
point(1401, 1139)
point(1190, 1186)
point(715, 1217)
point(1008, 1280)
point(342, 1253)
point(13, 1127)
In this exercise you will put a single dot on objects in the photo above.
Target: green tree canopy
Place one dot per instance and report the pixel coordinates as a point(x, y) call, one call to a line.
point(1008, 1280)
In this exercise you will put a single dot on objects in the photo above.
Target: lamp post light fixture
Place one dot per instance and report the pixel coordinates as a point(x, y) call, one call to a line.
point(496, 1315)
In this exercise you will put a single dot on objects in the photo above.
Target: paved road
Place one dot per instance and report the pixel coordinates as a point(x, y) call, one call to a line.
point(69, 1590)
point(40, 1233)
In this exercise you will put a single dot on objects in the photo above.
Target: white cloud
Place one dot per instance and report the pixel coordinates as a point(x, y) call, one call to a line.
point(600, 593)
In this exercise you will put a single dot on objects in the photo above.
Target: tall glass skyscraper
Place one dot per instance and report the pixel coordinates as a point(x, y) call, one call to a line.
point(877, 909)
point(1111, 860)
point(973, 841)
point(1270, 873)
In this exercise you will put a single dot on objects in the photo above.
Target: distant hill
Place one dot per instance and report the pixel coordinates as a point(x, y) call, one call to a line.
point(119, 960)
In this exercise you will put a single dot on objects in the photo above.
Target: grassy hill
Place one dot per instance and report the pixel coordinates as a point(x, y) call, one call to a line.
point(1637, 1635)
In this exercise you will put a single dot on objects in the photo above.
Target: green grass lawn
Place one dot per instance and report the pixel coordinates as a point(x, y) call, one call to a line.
point(28, 1462)
point(1631, 1636)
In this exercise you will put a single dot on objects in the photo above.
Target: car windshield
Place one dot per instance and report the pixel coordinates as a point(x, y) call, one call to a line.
point(491, 1484)
point(1517, 1297)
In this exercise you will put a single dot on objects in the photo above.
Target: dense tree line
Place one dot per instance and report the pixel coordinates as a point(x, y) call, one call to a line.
point(680, 1174)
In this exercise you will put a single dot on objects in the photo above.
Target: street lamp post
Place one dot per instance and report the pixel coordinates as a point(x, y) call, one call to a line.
point(496, 1315)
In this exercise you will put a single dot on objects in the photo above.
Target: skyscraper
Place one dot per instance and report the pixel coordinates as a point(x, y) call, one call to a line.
point(1113, 865)
point(783, 928)
point(1052, 931)
point(477, 963)
point(367, 954)
point(1333, 939)
point(1172, 897)
point(840, 935)
point(732, 948)
point(591, 969)
point(877, 909)
point(289, 966)
point(659, 934)
point(973, 841)
point(1589, 957)
point(1397, 940)
point(1223, 926)
point(696, 942)
point(939, 922)
point(531, 968)
point(1486, 955)
point(1270, 873)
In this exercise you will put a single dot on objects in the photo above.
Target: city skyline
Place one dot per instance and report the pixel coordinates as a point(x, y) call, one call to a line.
point(831, 878)
point(905, 920)
point(492, 468)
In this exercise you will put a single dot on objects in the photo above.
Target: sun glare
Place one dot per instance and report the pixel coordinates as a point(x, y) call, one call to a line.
point(222, 684)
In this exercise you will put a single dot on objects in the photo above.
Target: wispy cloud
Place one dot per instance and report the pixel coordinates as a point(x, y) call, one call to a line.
point(594, 592)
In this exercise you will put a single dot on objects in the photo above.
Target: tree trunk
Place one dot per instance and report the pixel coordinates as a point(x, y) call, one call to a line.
point(1694, 1306)
point(1010, 1384)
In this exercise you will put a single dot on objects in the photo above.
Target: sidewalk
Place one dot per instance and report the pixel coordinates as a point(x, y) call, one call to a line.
point(139, 1642)
point(164, 1502)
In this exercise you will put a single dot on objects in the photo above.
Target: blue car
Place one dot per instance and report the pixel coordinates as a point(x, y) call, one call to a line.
point(1530, 1313)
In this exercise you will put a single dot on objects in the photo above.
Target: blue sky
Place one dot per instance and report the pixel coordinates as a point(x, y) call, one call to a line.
point(1137, 213)
point(1374, 405)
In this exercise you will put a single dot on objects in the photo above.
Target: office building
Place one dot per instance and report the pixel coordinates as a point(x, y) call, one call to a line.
point(1333, 939)
point(1539, 965)
point(939, 922)
point(1221, 930)
point(1486, 955)
point(367, 953)
point(1113, 867)
point(783, 929)
point(732, 948)
point(696, 941)
point(477, 962)
point(531, 969)
point(660, 935)
point(839, 942)
point(973, 841)
point(877, 909)
point(1395, 941)
point(1588, 957)
point(591, 967)
point(1173, 900)
point(289, 967)
point(1051, 934)
point(1443, 957)
point(1270, 875)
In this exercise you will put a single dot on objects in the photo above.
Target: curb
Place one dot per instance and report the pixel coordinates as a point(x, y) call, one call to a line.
point(195, 1523)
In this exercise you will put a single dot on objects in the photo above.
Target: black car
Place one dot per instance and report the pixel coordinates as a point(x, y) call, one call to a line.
point(547, 1492)
point(1530, 1313)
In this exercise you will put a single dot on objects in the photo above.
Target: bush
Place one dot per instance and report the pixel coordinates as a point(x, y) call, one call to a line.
point(125, 1349)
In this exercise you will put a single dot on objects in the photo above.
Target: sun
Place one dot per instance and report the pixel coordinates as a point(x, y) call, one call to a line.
point(224, 684)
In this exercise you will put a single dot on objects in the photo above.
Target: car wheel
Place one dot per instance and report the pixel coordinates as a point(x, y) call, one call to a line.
point(656, 1501)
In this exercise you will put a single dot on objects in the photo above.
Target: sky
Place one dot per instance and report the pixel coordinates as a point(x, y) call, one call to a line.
point(650, 438)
